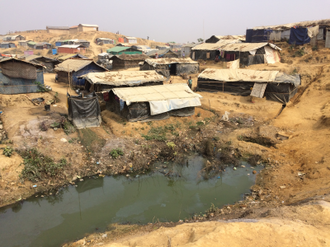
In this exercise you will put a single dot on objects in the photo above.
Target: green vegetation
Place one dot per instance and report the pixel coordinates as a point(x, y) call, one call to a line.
point(115, 153)
point(8, 151)
point(41, 87)
point(40, 167)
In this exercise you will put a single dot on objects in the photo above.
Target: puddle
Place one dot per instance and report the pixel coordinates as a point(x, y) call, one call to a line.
point(96, 203)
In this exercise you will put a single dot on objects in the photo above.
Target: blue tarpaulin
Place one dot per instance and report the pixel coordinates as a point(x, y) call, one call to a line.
point(299, 36)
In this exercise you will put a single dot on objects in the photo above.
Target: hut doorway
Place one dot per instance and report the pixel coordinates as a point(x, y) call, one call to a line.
point(173, 68)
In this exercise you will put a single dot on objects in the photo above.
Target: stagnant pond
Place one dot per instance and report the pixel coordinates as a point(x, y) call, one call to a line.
point(96, 203)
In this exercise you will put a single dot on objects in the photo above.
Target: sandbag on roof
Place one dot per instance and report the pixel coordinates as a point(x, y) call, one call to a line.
point(124, 78)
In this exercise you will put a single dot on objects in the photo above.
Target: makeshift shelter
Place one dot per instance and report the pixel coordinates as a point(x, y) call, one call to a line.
point(84, 112)
point(125, 61)
point(282, 32)
point(31, 44)
point(299, 36)
point(209, 51)
point(73, 69)
point(217, 38)
point(42, 45)
point(165, 53)
point(275, 85)
point(162, 47)
point(107, 80)
point(171, 66)
point(17, 76)
point(82, 42)
point(71, 49)
point(70, 56)
point(186, 49)
point(48, 63)
point(7, 45)
point(118, 50)
point(23, 43)
point(101, 41)
point(61, 42)
point(153, 102)
point(130, 40)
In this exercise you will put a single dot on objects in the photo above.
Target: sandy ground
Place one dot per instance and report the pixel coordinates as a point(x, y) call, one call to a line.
point(301, 167)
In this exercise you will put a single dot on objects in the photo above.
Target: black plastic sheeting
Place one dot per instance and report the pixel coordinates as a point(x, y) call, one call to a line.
point(299, 36)
point(259, 35)
point(281, 91)
point(84, 112)
point(140, 111)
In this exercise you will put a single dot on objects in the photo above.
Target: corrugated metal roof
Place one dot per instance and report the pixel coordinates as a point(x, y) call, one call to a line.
point(117, 49)
point(155, 93)
point(71, 65)
point(124, 78)
point(156, 61)
point(228, 75)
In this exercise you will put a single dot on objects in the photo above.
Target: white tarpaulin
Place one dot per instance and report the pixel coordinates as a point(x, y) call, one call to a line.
point(253, 52)
point(158, 107)
point(313, 31)
point(233, 64)
point(228, 75)
point(271, 55)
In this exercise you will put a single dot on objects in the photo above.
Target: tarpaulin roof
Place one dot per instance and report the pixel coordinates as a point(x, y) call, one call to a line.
point(117, 49)
point(239, 37)
point(88, 25)
point(300, 24)
point(215, 46)
point(245, 47)
point(132, 57)
point(124, 78)
point(71, 65)
point(248, 75)
point(14, 59)
point(155, 93)
point(233, 45)
point(65, 57)
point(156, 61)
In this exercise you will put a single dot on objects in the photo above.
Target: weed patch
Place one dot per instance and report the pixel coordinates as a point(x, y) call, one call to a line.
point(40, 167)
point(115, 153)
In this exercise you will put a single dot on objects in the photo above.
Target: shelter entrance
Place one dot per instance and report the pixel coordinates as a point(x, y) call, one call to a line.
point(173, 68)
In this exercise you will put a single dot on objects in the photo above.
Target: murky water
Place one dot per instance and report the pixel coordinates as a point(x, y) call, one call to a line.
point(95, 203)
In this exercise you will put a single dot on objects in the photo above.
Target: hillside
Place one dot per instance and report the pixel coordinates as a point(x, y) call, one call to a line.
point(92, 51)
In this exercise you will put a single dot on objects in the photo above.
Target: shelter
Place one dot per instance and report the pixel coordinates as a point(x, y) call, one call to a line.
point(61, 42)
point(31, 44)
point(104, 41)
point(71, 49)
point(282, 32)
point(13, 38)
point(42, 45)
point(217, 38)
point(107, 80)
point(162, 54)
point(275, 85)
point(125, 61)
point(130, 40)
point(247, 53)
point(118, 50)
point(153, 102)
point(17, 76)
point(171, 66)
point(72, 69)
point(48, 63)
point(186, 50)
point(58, 29)
point(7, 45)
point(84, 112)
point(82, 42)
point(87, 27)
point(23, 43)
point(162, 47)
point(70, 56)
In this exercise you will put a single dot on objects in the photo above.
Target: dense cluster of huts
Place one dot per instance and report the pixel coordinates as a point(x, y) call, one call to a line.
point(145, 94)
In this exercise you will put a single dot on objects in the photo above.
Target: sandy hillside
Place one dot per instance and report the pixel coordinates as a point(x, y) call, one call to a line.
point(92, 51)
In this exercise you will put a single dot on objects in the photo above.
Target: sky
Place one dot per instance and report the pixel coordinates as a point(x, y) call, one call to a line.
point(180, 21)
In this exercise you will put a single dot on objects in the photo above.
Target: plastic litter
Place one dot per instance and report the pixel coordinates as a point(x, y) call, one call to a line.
point(235, 168)
point(225, 117)
point(64, 140)
point(218, 177)
point(34, 186)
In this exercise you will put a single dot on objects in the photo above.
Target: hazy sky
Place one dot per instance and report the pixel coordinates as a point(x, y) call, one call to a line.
point(170, 20)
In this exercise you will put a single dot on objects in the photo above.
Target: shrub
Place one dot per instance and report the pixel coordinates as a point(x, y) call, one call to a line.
point(8, 151)
point(115, 153)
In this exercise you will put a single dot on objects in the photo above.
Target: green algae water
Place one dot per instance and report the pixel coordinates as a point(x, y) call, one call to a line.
point(96, 203)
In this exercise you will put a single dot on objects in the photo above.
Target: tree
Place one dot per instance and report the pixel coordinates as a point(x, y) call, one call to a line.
point(200, 40)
